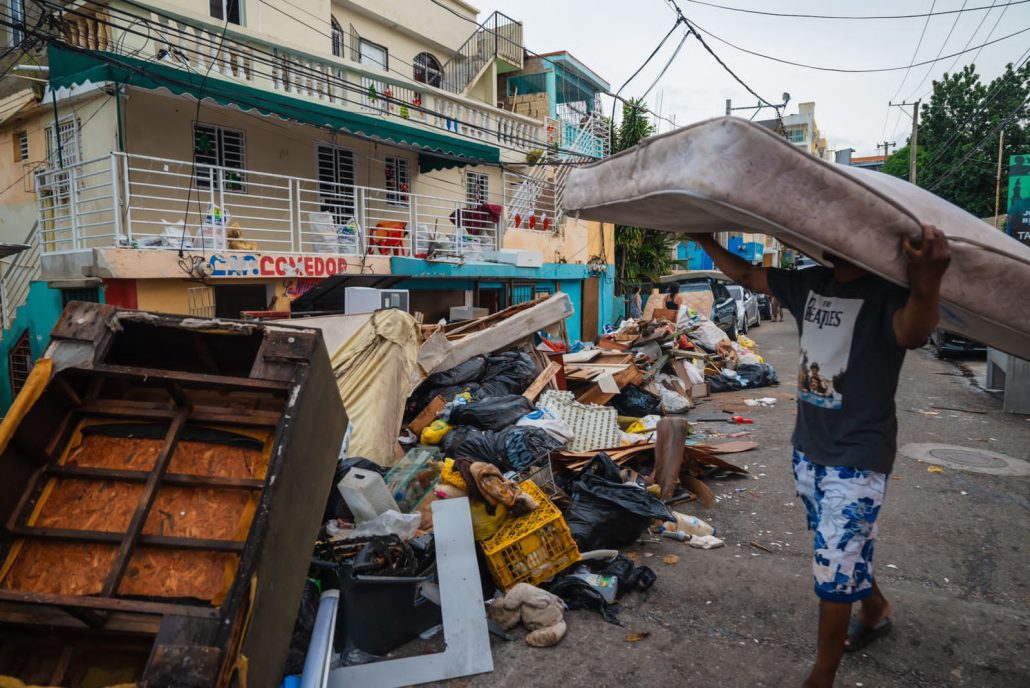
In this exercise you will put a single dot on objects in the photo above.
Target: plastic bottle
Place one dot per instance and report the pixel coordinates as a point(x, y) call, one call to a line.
point(608, 586)
point(692, 525)
point(674, 534)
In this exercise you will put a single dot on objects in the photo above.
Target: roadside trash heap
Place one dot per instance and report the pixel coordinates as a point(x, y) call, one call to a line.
point(566, 454)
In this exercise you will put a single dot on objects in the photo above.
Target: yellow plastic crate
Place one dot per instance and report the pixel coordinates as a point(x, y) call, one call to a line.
point(531, 548)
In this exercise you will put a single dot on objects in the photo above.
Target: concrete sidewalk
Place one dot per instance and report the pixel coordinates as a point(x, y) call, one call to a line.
point(952, 556)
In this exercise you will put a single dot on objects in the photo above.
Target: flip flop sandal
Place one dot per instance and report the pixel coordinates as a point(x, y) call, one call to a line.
point(860, 635)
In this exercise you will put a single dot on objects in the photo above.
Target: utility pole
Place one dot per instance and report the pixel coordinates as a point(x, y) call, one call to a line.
point(729, 107)
point(913, 142)
point(997, 182)
point(886, 146)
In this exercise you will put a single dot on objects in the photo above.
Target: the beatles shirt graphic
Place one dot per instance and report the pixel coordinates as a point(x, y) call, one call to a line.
point(827, 330)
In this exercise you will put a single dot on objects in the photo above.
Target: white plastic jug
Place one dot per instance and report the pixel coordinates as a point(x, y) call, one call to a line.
point(366, 494)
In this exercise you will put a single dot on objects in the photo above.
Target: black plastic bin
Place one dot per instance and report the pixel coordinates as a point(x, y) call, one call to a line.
point(380, 613)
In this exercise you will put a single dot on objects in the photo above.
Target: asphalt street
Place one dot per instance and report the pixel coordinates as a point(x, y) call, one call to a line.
point(952, 557)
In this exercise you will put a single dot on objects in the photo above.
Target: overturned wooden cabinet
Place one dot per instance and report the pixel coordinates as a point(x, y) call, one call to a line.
point(163, 481)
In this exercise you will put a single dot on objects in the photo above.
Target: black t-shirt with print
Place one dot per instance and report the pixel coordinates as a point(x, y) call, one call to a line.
point(848, 368)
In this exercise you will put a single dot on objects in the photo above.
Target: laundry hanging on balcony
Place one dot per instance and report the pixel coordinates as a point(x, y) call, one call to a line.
point(477, 218)
point(72, 68)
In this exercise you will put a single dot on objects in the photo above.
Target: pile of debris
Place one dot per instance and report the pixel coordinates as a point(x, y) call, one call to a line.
point(563, 453)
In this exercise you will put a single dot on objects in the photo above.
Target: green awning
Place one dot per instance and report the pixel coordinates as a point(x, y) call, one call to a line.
point(70, 68)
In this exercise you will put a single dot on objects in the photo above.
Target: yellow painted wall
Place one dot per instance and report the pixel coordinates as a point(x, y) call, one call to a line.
point(18, 202)
point(172, 295)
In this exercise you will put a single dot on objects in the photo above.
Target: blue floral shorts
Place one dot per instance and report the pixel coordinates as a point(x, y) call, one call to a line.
point(842, 504)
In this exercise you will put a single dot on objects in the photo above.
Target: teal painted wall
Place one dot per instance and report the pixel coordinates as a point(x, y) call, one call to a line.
point(38, 315)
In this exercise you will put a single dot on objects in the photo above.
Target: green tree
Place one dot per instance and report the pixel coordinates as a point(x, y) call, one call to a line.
point(958, 136)
point(641, 254)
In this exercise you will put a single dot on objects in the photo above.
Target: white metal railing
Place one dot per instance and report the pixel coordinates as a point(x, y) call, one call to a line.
point(529, 199)
point(17, 277)
point(229, 53)
point(144, 202)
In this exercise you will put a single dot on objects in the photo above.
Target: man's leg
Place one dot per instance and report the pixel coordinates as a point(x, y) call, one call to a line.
point(833, 630)
point(874, 609)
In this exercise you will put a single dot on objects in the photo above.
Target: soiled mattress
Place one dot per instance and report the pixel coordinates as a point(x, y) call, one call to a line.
point(729, 174)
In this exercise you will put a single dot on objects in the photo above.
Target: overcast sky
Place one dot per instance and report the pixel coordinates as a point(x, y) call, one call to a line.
point(613, 37)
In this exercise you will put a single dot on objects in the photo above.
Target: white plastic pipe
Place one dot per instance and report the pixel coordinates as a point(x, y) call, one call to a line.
point(320, 649)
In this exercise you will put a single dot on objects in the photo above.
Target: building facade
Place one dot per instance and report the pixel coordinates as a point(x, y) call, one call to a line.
point(236, 157)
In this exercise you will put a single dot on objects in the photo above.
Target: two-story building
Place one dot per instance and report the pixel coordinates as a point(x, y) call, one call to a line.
point(235, 156)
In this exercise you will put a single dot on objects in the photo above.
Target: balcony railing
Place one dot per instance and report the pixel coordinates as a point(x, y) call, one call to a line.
point(226, 52)
point(135, 201)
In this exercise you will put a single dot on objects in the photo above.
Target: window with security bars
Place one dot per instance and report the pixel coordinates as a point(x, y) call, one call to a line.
point(796, 135)
point(336, 182)
point(336, 37)
point(91, 294)
point(477, 188)
point(217, 147)
point(64, 148)
point(200, 302)
point(21, 146)
point(19, 363)
point(397, 183)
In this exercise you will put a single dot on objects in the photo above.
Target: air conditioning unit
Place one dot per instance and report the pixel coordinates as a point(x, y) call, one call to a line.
point(369, 299)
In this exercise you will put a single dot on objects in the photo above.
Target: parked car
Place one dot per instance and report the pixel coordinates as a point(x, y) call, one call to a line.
point(764, 306)
point(945, 343)
point(804, 262)
point(747, 307)
point(724, 307)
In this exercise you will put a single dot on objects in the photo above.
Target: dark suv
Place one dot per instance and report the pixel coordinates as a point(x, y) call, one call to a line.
point(724, 308)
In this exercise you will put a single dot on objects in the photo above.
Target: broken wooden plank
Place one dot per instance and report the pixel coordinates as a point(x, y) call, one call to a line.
point(704, 494)
point(427, 415)
point(542, 380)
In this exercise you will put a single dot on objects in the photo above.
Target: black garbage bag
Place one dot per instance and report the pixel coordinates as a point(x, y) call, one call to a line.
point(336, 507)
point(630, 577)
point(510, 372)
point(492, 413)
point(578, 594)
point(606, 514)
point(302, 627)
point(452, 440)
point(470, 370)
point(746, 376)
point(477, 445)
point(636, 402)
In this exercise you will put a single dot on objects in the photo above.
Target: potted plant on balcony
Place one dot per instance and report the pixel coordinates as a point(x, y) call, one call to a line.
point(534, 156)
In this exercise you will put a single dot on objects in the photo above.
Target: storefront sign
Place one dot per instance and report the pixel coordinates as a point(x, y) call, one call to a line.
point(275, 265)
point(1019, 198)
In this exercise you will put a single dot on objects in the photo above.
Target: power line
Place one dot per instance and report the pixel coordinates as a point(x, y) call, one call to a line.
point(931, 13)
point(991, 33)
point(915, 53)
point(993, 93)
point(672, 58)
point(973, 35)
point(947, 38)
point(649, 57)
point(844, 70)
point(989, 135)
point(306, 72)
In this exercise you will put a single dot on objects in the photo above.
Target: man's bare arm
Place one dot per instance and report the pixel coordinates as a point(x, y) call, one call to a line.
point(914, 321)
point(734, 267)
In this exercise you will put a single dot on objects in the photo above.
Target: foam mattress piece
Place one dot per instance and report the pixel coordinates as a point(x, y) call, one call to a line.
point(730, 174)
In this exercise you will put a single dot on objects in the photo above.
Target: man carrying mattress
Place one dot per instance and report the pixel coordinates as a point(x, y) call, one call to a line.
point(855, 328)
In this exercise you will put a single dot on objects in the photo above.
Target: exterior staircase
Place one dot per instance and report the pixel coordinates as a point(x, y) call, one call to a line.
point(16, 278)
point(498, 38)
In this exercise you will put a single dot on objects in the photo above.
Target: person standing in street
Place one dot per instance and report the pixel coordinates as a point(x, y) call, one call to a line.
point(855, 328)
point(636, 308)
point(672, 300)
point(775, 309)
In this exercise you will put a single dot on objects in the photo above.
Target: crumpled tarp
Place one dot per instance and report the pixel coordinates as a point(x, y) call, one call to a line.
point(373, 371)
